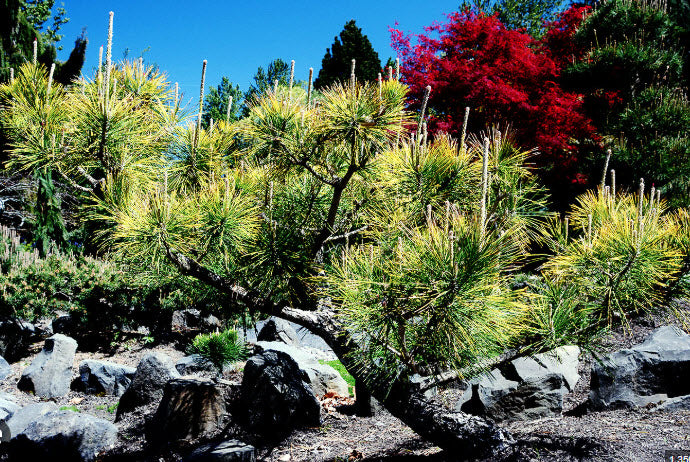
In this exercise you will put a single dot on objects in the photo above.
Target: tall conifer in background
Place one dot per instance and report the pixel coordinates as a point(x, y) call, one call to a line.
point(216, 103)
point(351, 44)
point(264, 79)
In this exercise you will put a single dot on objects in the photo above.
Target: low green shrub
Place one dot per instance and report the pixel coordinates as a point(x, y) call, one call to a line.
point(33, 286)
point(103, 297)
point(559, 314)
point(219, 348)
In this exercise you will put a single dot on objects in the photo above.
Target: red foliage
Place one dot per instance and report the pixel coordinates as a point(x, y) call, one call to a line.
point(506, 77)
point(558, 40)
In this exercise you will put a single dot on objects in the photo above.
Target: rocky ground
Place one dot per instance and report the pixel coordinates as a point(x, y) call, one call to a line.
point(582, 435)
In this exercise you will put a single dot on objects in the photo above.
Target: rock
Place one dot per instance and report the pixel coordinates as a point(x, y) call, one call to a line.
point(24, 416)
point(191, 407)
point(316, 346)
point(563, 360)
point(50, 373)
point(276, 394)
point(651, 372)
point(227, 451)
point(674, 404)
point(5, 369)
point(192, 320)
point(103, 377)
point(418, 381)
point(277, 330)
point(322, 377)
point(44, 328)
point(195, 364)
point(15, 337)
point(527, 388)
point(74, 436)
point(63, 324)
point(152, 373)
point(485, 392)
point(7, 408)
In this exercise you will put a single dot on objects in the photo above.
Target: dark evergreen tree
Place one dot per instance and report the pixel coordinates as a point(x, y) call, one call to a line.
point(265, 79)
point(635, 85)
point(48, 226)
point(277, 70)
point(216, 102)
point(67, 71)
point(337, 62)
point(21, 23)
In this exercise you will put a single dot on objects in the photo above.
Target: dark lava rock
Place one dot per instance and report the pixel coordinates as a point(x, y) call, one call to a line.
point(528, 388)
point(103, 377)
point(277, 330)
point(191, 407)
point(195, 364)
point(276, 394)
point(152, 373)
point(651, 372)
point(15, 337)
point(227, 451)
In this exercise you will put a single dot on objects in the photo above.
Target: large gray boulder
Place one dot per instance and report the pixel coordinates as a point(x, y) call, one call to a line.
point(322, 377)
point(485, 392)
point(278, 330)
point(191, 407)
point(651, 372)
point(276, 394)
point(103, 377)
point(50, 373)
point(5, 369)
point(525, 389)
point(195, 364)
point(307, 340)
point(152, 373)
point(67, 435)
point(24, 416)
point(7, 408)
point(227, 451)
point(563, 360)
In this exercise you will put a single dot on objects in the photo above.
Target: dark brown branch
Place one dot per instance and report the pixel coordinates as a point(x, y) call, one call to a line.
point(251, 299)
point(317, 175)
point(327, 229)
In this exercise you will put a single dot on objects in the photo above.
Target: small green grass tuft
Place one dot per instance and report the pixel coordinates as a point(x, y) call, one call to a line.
point(113, 408)
point(72, 408)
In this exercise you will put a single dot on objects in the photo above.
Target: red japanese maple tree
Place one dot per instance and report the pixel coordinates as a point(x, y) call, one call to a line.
point(505, 77)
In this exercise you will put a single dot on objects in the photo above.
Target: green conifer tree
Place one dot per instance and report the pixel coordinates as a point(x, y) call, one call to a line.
point(337, 62)
point(48, 225)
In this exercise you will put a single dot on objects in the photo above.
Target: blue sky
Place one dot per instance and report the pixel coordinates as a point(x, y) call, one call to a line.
point(236, 37)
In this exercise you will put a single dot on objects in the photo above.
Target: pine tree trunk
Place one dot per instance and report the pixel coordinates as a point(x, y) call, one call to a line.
point(457, 432)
